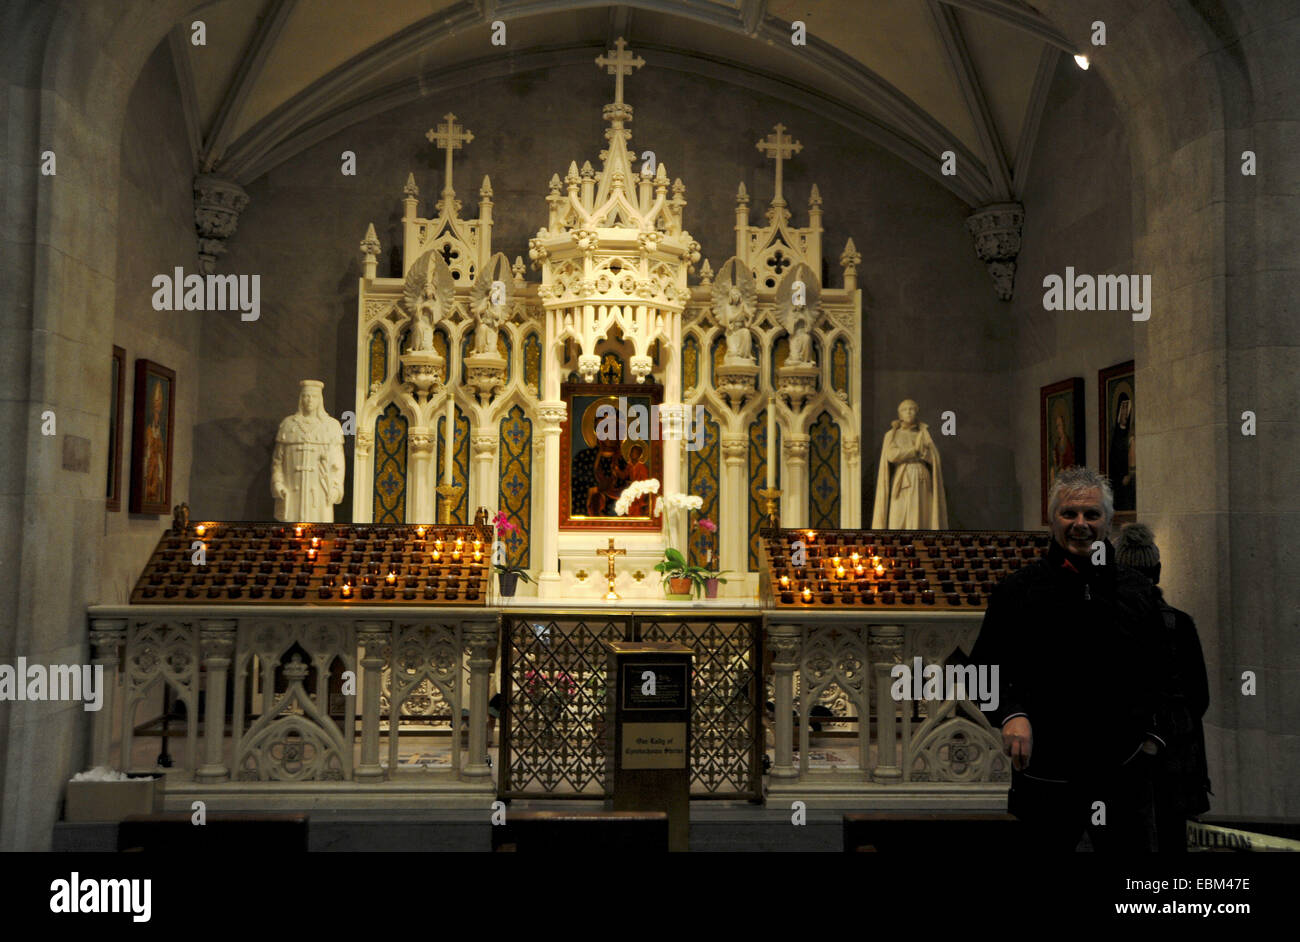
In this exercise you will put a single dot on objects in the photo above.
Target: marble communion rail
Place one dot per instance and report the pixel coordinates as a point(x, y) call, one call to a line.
point(297, 737)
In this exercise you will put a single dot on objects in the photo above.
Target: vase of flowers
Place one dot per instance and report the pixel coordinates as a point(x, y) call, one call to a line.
point(508, 576)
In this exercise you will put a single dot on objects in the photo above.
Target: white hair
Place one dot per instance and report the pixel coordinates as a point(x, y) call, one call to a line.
point(1074, 481)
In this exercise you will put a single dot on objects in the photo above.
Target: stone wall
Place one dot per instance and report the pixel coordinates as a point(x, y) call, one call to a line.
point(935, 330)
point(1077, 201)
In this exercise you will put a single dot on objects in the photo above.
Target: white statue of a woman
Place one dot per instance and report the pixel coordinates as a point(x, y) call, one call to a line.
point(909, 485)
point(308, 464)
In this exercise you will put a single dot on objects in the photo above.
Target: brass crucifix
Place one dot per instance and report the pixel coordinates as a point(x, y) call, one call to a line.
point(609, 554)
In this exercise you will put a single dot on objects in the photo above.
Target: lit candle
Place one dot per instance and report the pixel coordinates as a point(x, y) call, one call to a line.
point(455, 555)
point(785, 582)
point(200, 530)
point(807, 594)
point(478, 556)
point(460, 544)
point(315, 542)
point(297, 531)
point(478, 545)
point(311, 555)
point(437, 544)
point(419, 533)
point(854, 557)
point(771, 442)
point(450, 440)
point(346, 591)
point(811, 535)
point(880, 570)
point(839, 572)
point(391, 578)
point(835, 561)
point(436, 556)
point(861, 571)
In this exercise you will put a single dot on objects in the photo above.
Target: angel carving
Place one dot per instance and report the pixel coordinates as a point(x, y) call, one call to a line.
point(490, 302)
point(735, 295)
point(427, 297)
point(796, 308)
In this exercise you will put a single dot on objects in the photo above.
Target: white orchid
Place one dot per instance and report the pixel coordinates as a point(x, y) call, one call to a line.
point(683, 502)
point(634, 492)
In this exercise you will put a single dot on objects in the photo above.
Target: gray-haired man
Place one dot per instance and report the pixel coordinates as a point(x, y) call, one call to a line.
point(1078, 641)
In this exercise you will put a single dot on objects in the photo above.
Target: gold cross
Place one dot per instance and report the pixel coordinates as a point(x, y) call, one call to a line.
point(609, 554)
point(620, 63)
point(780, 147)
point(448, 137)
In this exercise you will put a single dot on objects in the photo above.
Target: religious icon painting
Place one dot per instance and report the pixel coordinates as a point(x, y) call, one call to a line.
point(1061, 430)
point(610, 438)
point(152, 426)
point(116, 403)
point(1115, 418)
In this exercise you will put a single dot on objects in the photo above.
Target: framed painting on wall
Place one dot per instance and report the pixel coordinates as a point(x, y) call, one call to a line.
point(116, 403)
point(1118, 444)
point(609, 439)
point(152, 426)
point(1061, 430)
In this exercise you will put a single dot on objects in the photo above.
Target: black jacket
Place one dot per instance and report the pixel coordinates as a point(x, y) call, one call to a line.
point(1081, 652)
point(1183, 779)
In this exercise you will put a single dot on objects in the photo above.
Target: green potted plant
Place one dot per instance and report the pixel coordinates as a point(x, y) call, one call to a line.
point(712, 577)
point(681, 578)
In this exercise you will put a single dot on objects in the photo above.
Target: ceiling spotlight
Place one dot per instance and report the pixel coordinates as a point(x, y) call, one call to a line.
point(1082, 62)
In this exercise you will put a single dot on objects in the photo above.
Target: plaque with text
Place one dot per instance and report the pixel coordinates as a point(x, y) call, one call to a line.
point(654, 746)
point(668, 691)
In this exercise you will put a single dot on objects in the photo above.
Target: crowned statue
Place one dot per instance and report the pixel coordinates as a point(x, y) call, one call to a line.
point(307, 466)
point(909, 485)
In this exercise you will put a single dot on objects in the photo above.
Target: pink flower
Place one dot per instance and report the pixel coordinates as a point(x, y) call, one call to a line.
point(709, 525)
point(503, 523)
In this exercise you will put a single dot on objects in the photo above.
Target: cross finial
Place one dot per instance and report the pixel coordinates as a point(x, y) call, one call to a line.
point(609, 554)
point(618, 63)
point(781, 147)
point(448, 137)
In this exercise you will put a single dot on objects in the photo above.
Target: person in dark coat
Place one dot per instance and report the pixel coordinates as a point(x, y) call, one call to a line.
point(1084, 678)
point(1182, 777)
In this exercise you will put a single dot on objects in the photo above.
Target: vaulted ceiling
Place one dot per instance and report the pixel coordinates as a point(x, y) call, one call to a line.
point(917, 77)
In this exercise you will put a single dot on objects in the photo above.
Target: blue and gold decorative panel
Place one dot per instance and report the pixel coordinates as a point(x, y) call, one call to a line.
point(533, 364)
point(703, 474)
point(460, 464)
point(378, 357)
point(389, 504)
point(824, 473)
point(516, 431)
point(690, 363)
point(758, 481)
point(840, 366)
point(717, 351)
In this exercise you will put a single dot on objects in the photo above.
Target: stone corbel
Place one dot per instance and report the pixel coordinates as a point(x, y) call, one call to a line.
point(217, 205)
point(996, 229)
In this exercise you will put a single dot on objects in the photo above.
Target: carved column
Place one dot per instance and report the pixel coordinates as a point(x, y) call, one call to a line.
point(850, 489)
point(363, 505)
point(996, 229)
point(372, 636)
point(217, 205)
point(794, 500)
point(481, 639)
point(483, 489)
point(217, 644)
point(107, 635)
point(421, 476)
point(784, 641)
point(885, 648)
point(733, 522)
point(551, 415)
point(670, 430)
